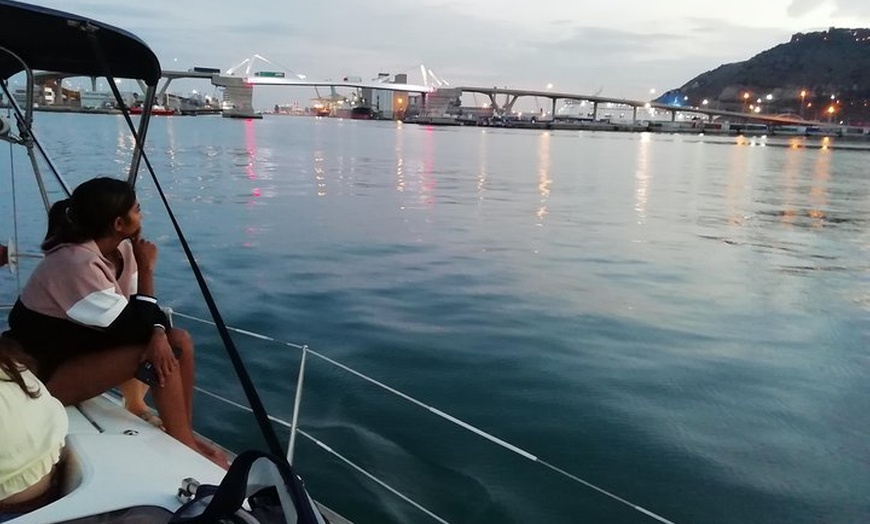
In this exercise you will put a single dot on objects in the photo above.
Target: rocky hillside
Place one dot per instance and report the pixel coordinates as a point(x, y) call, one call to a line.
point(823, 64)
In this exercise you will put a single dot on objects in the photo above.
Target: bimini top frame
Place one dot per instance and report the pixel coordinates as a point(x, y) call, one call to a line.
point(51, 40)
point(37, 38)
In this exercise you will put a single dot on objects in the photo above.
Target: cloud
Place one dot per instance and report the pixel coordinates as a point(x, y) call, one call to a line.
point(838, 8)
point(799, 8)
point(604, 44)
point(852, 8)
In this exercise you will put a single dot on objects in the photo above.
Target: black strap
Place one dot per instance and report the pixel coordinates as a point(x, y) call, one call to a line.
point(228, 498)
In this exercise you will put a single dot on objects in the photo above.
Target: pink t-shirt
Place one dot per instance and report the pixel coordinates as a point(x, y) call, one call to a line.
point(76, 282)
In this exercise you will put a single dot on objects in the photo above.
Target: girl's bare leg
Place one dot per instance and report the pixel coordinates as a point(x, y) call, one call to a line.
point(181, 340)
point(134, 397)
point(91, 374)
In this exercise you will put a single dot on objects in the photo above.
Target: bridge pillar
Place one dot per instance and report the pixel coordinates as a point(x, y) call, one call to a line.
point(238, 96)
point(509, 103)
point(673, 115)
point(633, 115)
point(496, 109)
point(553, 112)
point(161, 93)
point(594, 111)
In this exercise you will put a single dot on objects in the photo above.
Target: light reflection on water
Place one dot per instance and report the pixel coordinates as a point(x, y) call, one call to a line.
point(679, 319)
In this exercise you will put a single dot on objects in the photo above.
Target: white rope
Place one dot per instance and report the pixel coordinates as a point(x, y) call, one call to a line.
point(441, 414)
point(372, 477)
point(323, 446)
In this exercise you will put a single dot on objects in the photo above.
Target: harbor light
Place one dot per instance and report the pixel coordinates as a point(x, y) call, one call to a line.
point(757, 109)
point(705, 102)
point(769, 97)
point(549, 86)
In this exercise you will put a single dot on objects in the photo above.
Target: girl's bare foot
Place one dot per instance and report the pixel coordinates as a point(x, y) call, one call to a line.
point(144, 412)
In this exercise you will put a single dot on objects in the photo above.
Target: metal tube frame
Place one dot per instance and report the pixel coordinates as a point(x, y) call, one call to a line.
point(294, 424)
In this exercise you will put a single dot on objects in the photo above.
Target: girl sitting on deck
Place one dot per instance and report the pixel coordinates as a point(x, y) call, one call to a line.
point(88, 316)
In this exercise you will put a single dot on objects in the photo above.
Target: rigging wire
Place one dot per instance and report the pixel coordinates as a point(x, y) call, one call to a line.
point(266, 428)
point(328, 449)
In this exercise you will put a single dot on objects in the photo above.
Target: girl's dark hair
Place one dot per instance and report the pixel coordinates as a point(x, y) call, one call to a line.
point(13, 368)
point(89, 213)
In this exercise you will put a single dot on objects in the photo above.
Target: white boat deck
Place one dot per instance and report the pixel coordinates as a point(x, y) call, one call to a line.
point(118, 461)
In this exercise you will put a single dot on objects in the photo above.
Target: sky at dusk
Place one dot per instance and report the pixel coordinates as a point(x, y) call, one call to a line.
point(620, 48)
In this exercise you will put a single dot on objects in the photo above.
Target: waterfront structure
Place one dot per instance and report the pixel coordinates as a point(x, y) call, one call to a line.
point(434, 98)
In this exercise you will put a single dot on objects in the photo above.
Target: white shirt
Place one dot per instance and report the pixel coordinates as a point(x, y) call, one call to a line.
point(32, 433)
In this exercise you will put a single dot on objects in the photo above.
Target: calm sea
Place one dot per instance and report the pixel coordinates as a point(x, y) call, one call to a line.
point(679, 320)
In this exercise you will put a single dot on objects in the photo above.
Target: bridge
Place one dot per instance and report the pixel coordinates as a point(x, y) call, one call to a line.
point(239, 80)
point(511, 96)
point(238, 83)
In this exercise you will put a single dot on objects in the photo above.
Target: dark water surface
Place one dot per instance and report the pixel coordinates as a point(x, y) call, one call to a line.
point(679, 320)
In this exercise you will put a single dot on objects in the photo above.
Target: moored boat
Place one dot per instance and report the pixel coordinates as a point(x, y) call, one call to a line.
point(156, 110)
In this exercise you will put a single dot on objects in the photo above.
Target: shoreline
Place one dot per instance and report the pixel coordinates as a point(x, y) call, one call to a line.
point(658, 127)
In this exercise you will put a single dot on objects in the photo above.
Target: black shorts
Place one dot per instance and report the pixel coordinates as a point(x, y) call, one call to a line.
point(52, 341)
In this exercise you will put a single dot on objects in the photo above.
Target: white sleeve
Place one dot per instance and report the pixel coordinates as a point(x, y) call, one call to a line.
point(99, 308)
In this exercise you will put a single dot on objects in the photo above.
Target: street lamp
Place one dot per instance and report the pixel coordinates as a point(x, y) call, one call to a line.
point(803, 97)
point(831, 111)
point(745, 101)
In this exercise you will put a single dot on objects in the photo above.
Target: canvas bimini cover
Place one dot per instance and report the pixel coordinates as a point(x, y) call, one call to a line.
point(50, 40)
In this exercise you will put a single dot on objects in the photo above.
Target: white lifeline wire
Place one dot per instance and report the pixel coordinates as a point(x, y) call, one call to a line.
point(448, 417)
point(326, 448)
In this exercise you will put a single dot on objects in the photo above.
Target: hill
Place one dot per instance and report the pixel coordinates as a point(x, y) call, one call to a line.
point(808, 75)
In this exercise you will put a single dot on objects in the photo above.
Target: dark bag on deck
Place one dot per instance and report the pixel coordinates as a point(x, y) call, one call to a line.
point(275, 495)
